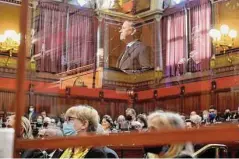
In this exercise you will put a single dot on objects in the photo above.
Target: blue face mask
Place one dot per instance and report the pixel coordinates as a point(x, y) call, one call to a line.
point(68, 129)
point(212, 116)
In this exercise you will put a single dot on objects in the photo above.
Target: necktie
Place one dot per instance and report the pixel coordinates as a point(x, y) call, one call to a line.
point(124, 55)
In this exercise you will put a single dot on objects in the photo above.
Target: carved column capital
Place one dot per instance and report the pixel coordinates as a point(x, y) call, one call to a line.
point(158, 17)
point(100, 18)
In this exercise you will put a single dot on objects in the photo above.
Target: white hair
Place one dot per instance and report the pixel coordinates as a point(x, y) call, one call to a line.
point(171, 120)
point(196, 119)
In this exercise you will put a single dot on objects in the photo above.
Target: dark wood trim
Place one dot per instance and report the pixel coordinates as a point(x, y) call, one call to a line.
point(14, 55)
point(197, 93)
point(223, 90)
point(203, 135)
point(186, 95)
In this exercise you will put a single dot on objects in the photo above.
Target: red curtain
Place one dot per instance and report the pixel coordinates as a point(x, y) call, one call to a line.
point(81, 40)
point(64, 47)
point(174, 42)
point(200, 50)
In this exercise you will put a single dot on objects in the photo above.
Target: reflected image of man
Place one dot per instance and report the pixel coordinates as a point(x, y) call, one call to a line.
point(136, 57)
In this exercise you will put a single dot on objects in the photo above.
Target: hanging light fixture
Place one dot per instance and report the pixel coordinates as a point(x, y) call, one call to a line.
point(81, 2)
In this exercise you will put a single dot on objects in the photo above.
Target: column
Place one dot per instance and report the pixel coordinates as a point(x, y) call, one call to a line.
point(158, 44)
point(100, 49)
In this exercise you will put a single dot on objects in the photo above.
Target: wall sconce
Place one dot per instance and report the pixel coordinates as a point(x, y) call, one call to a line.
point(101, 94)
point(155, 94)
point(32, 64)
point(224, 37)
point(213, 85)
point(9, 41)
point(31, 88)
point(182, 90)
point(68, 91)
point(130, 93)
point(135, 97)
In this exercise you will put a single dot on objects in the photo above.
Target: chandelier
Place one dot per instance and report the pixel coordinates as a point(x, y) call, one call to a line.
point(223, 38)
point(9, 41)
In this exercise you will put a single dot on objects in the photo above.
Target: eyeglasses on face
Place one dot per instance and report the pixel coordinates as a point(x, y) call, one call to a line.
point(69, 118)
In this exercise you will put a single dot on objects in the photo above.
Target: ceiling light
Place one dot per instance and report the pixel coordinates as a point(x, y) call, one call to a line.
point(177, 1)
point(81, 2)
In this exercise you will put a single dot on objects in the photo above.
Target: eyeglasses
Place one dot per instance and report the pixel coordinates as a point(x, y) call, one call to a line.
point(70, 118)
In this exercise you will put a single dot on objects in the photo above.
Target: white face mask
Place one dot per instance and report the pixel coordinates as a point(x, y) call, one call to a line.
point(31, 109)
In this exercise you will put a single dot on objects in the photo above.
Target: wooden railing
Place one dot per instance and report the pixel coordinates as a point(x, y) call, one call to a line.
point(220, 134)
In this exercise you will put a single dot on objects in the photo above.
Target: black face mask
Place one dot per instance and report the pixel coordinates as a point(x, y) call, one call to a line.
point(38, 124)
point(45, 124)
point(129, 118)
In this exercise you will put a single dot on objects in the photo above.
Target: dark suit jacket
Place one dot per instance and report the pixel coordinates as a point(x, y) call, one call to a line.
point(33, 117)
point(36, 153)
point(101, 152)
point(136, 58)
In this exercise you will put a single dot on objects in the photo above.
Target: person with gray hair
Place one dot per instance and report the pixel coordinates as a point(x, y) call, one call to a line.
point(26, 129)
point(83, 119)
point(162, 121)
point(195, 118)
point(45, 153)
point(137, 57)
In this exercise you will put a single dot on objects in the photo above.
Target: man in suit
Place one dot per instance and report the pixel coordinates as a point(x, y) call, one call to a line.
point(31, 115)
point(136, 57)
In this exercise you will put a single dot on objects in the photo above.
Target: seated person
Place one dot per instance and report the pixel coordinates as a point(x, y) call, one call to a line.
point(162, 121)
point(26, 129)
point(47, 153)
point(107, 124)
point(84, 119)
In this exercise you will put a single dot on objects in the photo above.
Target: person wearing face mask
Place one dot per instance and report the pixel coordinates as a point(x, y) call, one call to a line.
point(68, 129)
point(130, 117)
point(38, 125)
point(213, 118)
point(82, 120)
point(39, 122)
point(32, 115)
point(46, 122)
point(227, 115)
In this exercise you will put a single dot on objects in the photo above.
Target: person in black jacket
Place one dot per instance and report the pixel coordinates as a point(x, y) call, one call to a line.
point(84, 119)
point(46, 153)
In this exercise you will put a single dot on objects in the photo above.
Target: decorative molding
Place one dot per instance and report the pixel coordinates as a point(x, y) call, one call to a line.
point(7, 72)
point(224, 60)
point(77, 70)
point(120, 17)
point(15, 2)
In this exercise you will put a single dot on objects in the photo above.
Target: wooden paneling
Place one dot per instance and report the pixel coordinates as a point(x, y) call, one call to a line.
point(205, 100)
point(192, 103)
point(7, 101)
point(173, 105)
point(225, 100)
point(56, 105)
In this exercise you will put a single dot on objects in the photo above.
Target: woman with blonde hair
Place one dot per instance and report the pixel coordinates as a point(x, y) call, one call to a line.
point(83, 119)
point(26, 130)
point(165, 121)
